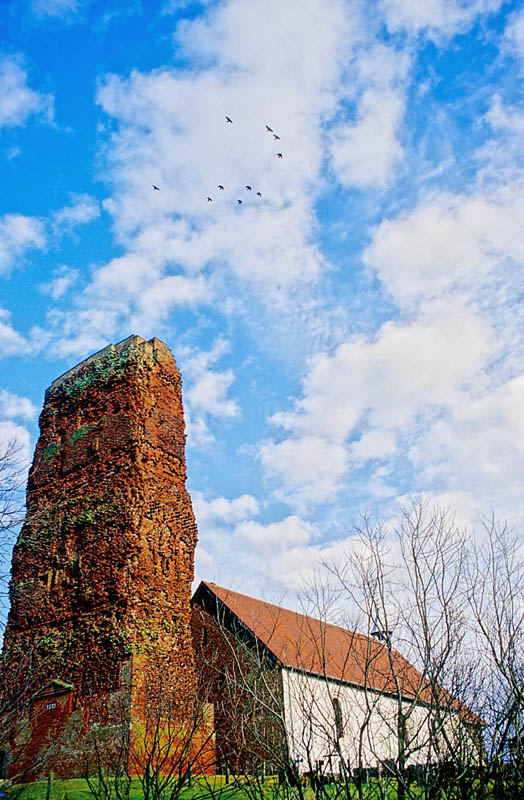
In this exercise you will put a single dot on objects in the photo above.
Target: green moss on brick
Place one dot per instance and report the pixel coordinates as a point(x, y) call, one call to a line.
point(111, 366)
point(80, 432)
point(51, 450)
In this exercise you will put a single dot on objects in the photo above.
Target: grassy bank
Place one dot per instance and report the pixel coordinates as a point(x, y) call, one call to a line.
point(78, 789)
point(209, 788)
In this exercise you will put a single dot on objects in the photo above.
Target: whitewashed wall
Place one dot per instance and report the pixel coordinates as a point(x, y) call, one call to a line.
point(310, 722)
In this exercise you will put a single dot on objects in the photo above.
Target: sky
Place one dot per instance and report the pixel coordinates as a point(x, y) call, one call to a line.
point(349, 339)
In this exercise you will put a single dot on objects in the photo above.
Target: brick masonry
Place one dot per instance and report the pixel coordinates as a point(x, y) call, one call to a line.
point(243, 686)
point(103, 565)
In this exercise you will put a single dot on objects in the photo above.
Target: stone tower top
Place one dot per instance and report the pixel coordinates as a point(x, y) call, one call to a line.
point(126, 349)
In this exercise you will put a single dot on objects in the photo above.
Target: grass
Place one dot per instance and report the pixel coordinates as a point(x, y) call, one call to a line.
point(78, 789)
point(201, 789)
point(216, 788)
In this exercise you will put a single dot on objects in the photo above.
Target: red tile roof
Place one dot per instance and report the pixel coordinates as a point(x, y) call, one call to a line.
point(304, 643)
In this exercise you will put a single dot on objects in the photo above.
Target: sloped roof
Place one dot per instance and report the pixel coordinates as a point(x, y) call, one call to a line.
point(54, 686)
point(304, 643)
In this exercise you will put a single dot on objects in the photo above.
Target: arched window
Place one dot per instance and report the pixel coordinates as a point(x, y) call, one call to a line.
point(339, 721)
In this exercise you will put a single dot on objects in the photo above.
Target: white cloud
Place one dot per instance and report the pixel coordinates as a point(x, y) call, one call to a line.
point(307, 469)
point(267, 236)
point(197, 430)
point(419, 394)
point(281, 535)
point(449, 243)
point(168, 128)
point(412, 394)
point(55, 8)
point(166, 294)
point(17, 100)
point(501, 156)
point(508, 119)
point(465, 251)
point(11, 342)
point(216, 519)
point(480, 447)
point(285, 551)
point(81, 211)
point(128, 293)
point(12, 432)
point(208, 393)
point(275, 556)
point(388, 384)
point(82, 331)
point(365, 152)
point(63, 278)
point(223, 510)
point(435, 17)
point(17, 235)
point(390, 375)
point(208, 388)
point(376, 443)
point(13, 406)
point(238, 32)
point(503, 153)
point(514, 33)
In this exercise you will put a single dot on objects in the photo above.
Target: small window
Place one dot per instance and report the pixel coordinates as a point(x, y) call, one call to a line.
point(4, 762)
point(50, 706)
point(339, 722)
point(204, 637)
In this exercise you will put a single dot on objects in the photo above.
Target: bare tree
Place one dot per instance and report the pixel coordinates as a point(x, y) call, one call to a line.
point(12, 477)
point(18, 677)
point(291, 715)
point(407, 586)
point(452, 603)
point(496, 599)
point(412, 729)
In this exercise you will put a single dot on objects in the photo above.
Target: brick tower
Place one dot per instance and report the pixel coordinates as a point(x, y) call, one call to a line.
point(103, 565)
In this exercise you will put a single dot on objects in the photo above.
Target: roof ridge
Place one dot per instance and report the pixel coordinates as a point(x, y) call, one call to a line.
point(287, 610)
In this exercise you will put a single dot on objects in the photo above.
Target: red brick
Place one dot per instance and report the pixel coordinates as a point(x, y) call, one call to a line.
point(102, 569)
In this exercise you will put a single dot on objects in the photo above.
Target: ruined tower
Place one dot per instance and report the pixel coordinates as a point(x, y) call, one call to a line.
point(103, 565)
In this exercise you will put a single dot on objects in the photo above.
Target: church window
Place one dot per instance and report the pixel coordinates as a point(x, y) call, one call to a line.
point(339, 721)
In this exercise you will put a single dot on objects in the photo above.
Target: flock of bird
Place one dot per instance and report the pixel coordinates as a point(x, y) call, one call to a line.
point(248, 188)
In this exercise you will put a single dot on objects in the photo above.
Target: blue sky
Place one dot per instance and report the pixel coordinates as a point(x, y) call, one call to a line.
point(349, 339)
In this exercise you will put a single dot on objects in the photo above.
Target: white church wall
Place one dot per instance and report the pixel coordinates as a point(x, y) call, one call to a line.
point(369, 722)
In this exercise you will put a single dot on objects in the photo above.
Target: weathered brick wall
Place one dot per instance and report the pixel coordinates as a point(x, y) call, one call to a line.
point(102, 568)
point(245, 692)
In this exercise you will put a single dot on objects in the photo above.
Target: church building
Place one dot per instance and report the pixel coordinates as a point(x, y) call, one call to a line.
point(289, 688)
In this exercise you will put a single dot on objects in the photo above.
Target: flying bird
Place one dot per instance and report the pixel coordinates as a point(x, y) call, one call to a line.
point(155, 187)
point(209, 199)
point(259, 194)
point(248, 188)
point(268, 129)
point(275, 136)
point(228, 119)
point(279, 155)
point(239, 202)
point(220, 187)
